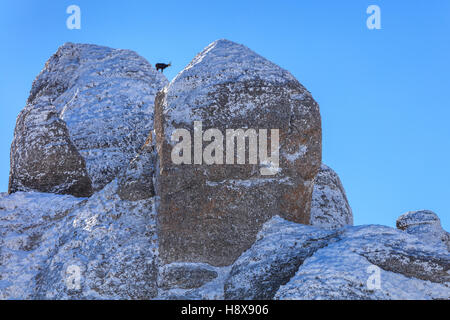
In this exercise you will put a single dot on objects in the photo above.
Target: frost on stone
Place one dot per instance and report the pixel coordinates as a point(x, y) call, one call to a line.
point(185, 275)
point(43, 157)
point(136, 181)
point(229, 86)
point(426, 225)
point(279, 250)
point(111, 242)
point(82, 133)
point(29, 224)
point(329, 206)
point(105, 99)
point(409, 268)
point(212, 287)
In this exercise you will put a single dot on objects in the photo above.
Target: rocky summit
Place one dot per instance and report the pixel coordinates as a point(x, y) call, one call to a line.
point(97, 209)
point(228, 86)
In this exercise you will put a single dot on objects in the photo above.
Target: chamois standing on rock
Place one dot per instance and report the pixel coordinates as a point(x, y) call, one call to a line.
point(162, 66)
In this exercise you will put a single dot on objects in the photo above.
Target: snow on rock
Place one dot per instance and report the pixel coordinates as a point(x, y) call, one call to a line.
point(29, 224)
point(228, 86)
point(280, 248)
point(329, 207)
point(104, 97)
point(348, 269)
point(426, 225)
point(136, 182)
point(113, 244)
point(61, 247)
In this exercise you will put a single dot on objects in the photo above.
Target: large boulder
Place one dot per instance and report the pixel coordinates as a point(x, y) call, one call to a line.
point(89, 111)
point(294, 261)
point(281, 247)
point(228, 86)
point(43, 157)
point(329, 207)
point(372, 262)
point(426, 225)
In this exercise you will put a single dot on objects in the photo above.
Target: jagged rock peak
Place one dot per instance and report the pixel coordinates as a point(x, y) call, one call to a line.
point(225, 60)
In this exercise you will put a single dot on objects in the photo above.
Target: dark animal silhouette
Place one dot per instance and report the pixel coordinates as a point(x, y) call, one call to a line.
point(162, 66)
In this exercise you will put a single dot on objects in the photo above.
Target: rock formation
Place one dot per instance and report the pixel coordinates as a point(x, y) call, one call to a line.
point(43, 157)
point(116, 219)
point(329, 207)
point(426, 225)
point(228, 86)
point(110, 242)
point(280, 249)
point(372, 262)
point(88, 113)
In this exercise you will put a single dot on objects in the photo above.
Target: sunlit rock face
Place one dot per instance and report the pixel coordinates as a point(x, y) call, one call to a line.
point(64, 247)
point(89, 111)
point(297, 262)
point(116, 219)
point(228, 86)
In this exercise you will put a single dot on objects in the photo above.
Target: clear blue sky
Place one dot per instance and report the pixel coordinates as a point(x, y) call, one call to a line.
point(384, 94)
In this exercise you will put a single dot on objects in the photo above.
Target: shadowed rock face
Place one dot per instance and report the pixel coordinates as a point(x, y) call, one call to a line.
point(228, 86)
point(329, 208)
point(104, 99)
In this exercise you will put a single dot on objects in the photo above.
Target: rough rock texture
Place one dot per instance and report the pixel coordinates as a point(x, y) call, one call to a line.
point(88, 100)
point(228, 86)
point(294, 261)
point(329, 207)
point(281, 247)
point(28, 236)
point(136, 182)
point(211, 289)
point(408, 268)
point(114, 243)
point(426, 225)
point(84, 128)
point(185, 275)
point(43, 157)
point(111, 242)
